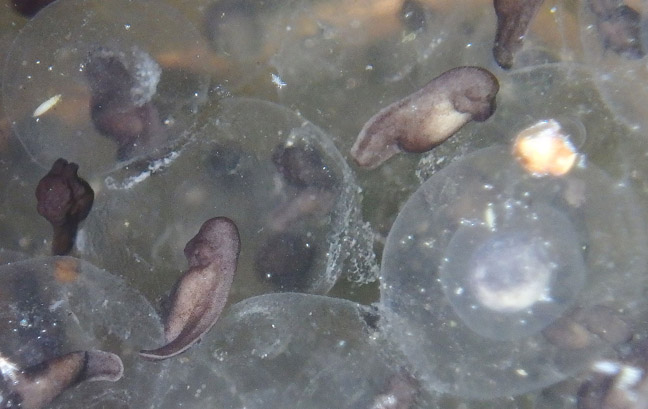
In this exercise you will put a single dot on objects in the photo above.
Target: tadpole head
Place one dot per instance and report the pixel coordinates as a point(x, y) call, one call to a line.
point(218, 239)
point(64, 199)
point(620, 31)
point(121, 87)
point(302, 166)
point(475, 91)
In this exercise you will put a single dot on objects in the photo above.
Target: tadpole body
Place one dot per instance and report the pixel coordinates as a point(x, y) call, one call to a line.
point(426, 118)
point(303, 167)
point(36, 386)
point(199, 296)
point(513, 19)
point(64, 199)
point(121, 87)
point(314, 182)
point(619, 27)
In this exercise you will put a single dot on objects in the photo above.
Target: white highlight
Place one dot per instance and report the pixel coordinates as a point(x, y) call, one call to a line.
point(47, 105)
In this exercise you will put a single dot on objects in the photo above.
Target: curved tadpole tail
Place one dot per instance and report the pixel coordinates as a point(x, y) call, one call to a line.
point(201, 293)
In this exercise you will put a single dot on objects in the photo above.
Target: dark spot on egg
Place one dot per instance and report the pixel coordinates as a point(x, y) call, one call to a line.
point(285, 260)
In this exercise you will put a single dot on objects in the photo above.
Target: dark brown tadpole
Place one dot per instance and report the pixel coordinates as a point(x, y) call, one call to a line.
point(200, 294)
point(513, 19)
point(37, 386)
point(29, 8)
point(619, 28)
point(426, 118)
point(121, 87)
point(65, 200)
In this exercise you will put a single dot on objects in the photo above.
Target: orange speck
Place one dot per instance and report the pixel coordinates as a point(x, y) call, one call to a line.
point(66, 270)
point(543, 149)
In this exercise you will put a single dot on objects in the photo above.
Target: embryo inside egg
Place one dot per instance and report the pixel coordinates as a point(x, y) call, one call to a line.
point(486, 262)
point(515, 276)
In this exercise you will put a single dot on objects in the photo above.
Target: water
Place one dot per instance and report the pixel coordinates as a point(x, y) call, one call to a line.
point(255, 110)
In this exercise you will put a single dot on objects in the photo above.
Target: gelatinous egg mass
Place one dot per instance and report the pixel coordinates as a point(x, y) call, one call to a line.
point(490, 273)
point(91, 81)
point(53, 306)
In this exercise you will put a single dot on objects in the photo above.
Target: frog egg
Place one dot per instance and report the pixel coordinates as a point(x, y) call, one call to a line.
point(51, 306)
point(84, 77)
point(517, 278)
point(489, 269)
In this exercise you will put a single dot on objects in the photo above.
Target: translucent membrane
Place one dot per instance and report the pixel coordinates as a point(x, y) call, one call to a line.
point(277, 176)
point(618, 75)
point(485, 258)
point(46, 83)
point(52, 306)
point(293, 351)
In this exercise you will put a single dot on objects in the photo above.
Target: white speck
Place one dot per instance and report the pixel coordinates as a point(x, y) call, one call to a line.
point(606, 367)
point(46, 106)
point(629, 377)
point(278, 81)
point(153, 167)
point(522, 372)
point(55, 306)
point(489, 217)
point(127, 27)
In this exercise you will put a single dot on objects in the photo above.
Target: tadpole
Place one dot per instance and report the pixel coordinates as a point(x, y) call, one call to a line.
point(199, 296)
point(302, 166)
point(36, 386)
point(426, 118)
point(619, 27)
point(513, 19)
point(121, 87)
point(64, 199)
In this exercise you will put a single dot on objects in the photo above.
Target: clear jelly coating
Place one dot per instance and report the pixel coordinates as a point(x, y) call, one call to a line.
point(516, 274)
point(293, 350)
point(276, 175)
point(488, 269)
point(55, 305)
point(52, 92)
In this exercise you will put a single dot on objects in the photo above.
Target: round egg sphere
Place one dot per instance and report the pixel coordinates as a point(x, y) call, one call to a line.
point(493, 276)
point(103, 83)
